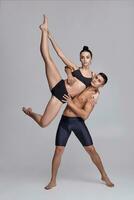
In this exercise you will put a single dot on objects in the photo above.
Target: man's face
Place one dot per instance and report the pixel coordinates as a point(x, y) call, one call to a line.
point(97, 81)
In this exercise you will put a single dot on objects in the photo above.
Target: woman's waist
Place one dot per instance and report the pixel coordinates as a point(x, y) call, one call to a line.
point(74, 89)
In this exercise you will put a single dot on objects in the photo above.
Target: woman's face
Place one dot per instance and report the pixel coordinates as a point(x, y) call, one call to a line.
point(85, 58)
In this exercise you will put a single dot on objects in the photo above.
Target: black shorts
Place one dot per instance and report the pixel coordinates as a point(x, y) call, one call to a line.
point(75, 124)
point(59, 90)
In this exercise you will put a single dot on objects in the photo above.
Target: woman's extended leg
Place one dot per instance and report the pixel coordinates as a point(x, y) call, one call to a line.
point(53, 77)
point(49, 114)
point(52, 73)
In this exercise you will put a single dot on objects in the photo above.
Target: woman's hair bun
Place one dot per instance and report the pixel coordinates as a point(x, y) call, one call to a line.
point(85, 48)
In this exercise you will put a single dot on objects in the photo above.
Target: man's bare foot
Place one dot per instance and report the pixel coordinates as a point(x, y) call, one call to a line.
point(27, 111)
point(50, 186)
point(44, 26)
point(107, 181)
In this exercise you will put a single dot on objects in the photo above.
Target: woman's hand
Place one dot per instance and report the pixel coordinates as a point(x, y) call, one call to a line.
point(70, 79)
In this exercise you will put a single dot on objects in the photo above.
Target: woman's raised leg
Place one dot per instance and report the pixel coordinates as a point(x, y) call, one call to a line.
point(52, 73)
point(53, 77)
point(49, 114)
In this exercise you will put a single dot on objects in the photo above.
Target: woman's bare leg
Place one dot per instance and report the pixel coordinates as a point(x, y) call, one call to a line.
point(52, 73)
point(55, 165)
point(49, 114)
point(53, 77)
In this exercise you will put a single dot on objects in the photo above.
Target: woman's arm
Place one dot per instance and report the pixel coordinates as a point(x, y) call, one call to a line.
point(70, 78)
point(60, 53)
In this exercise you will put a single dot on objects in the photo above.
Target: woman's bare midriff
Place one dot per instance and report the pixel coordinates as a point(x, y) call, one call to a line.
point(76, 88)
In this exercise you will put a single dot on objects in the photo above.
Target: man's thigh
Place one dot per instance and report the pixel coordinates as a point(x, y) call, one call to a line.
point(82, 133)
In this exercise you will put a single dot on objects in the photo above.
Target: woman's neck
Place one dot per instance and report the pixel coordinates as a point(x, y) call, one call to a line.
point(86, 67)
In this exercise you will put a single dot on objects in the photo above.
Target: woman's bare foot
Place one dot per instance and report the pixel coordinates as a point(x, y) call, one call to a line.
point(44, 26)
point(107, 181)
point(27, 111)
point(50, 185)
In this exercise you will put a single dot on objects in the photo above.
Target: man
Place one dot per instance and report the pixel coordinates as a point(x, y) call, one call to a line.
point(78, 109)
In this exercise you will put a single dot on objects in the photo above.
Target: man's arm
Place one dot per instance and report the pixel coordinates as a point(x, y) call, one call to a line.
point(96, 96)
point(80, 112)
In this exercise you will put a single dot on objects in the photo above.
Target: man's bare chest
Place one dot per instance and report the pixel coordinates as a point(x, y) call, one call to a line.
point(82, 98)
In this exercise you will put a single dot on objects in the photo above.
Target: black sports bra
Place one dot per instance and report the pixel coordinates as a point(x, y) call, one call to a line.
point(77, 73)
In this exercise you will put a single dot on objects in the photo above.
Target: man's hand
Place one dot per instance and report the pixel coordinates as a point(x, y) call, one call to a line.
point(67, 99)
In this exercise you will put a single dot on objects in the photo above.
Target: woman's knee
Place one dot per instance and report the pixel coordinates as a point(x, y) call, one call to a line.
point(43, 123)
point(46, 57)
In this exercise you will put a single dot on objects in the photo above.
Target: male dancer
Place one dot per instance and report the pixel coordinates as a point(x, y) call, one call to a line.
point(78, 109)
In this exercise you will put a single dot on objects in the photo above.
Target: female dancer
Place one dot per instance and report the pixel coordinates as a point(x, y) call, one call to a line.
point(58, 86)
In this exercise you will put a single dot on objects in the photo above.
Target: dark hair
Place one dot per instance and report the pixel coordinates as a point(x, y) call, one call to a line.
point(85, 48)
point(104, 77)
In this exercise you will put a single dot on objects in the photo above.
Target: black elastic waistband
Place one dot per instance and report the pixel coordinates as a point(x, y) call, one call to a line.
point(71, 118)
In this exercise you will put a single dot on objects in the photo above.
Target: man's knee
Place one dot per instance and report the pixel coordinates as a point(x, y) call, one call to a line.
point(59, 150)
point(90, 149)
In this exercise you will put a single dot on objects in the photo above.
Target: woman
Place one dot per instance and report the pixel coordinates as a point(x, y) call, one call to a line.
point(77, 80)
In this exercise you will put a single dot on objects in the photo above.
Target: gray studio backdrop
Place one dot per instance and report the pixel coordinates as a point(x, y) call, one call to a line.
point(107, 28)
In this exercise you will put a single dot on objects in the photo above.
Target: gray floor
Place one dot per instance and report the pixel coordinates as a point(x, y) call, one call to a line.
point(23, 174)
point(25, 184)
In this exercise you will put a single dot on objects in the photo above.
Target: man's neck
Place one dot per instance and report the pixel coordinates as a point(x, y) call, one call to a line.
point(92, 88)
